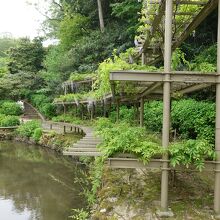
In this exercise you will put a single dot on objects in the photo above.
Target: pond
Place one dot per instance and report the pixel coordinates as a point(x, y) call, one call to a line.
point(37, 184)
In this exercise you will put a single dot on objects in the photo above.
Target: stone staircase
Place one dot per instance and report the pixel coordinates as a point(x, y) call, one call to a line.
point(30, 113)
point(87, 146)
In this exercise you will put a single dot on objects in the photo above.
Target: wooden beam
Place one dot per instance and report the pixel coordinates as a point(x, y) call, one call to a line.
point(209, 7)
point(155, 24)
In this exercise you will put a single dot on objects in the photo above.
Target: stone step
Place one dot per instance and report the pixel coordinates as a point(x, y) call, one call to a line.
point(80, 149)
point(92, 138)
point(86, 143)
point(89, 154)
point(89, 141)
point(83, 146)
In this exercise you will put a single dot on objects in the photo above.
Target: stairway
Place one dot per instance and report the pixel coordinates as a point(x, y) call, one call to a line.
point(87, 146)
point(30, 113)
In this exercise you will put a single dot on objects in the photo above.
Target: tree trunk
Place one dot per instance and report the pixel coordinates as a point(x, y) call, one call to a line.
point(101, 20)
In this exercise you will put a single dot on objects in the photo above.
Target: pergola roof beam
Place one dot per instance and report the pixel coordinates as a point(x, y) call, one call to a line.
point(185, 77)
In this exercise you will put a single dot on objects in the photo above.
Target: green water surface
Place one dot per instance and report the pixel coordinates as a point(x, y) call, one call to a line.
point(36, 183)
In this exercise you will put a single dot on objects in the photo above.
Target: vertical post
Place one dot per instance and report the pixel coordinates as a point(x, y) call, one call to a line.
point(104, 108)
point(217, 127)
point(143, 59)
point(64, 129)
point(166, 105)
point(51, 126)
point(92, 112)
point(117, 111)
point(142, 112)
point(82, 116)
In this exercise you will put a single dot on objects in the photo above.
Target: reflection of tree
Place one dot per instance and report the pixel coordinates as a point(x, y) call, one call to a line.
point(36, 180)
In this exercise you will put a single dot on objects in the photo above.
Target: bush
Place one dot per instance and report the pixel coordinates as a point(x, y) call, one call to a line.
point(125, 114)
point(190, 118)
point(43, 104)
point(27, 129)
point(37, 134)
point(9, 120)
point(10, 108)
point(123, 138)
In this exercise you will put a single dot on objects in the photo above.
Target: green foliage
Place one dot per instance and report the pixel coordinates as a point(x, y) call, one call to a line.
point(207, 55)
point(43, 103)
point(27, 129)
point(81, 76)
point(5, 44)
point(153, 114)
point(125, 114)
point(79, 214)
point(10, 108)
point(19, 86)
point(37, 134)
point(191, 152)
point(121, 62)
point(3, 66)
point(178, 60)
point(122, 138)
point(9, 120)
point(128, 12)
point(27, 56)
point(194, 119)
point(71, 29)
point(190, 118)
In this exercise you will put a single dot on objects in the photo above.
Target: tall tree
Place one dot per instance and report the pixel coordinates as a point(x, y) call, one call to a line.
point(101, 19)
point(27, 56)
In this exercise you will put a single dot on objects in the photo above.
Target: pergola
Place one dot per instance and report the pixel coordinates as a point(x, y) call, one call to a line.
point(166, 83)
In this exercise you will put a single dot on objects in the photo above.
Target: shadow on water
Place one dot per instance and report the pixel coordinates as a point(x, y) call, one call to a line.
point(37, 184)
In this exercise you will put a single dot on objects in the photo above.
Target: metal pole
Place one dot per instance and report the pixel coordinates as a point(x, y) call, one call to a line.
point(142, 112)
point(217, 127)
point(166, 103)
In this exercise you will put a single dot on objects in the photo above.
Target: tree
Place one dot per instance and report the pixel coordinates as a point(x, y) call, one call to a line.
point(27, 56)
point(101, 19)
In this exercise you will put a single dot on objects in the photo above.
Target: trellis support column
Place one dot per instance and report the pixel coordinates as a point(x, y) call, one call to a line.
point(104, 108)
point(217, 128)
point(143, 59)
point(164, 212)
point(82, 116)
point(118, 110)
point(142, 112)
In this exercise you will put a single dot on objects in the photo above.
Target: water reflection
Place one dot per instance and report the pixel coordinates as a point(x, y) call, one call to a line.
point(36, 184)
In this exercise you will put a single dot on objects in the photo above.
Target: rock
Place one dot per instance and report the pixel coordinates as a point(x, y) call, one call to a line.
point(102, 210)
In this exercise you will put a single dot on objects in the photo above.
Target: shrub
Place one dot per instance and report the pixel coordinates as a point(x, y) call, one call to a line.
point(190, 118)
point(125, 114)
point(123, 138)
point(43, 104)
point(10, 108)
point(191, 152)
point(27, 129)
point(37, 134)
point(9, 120)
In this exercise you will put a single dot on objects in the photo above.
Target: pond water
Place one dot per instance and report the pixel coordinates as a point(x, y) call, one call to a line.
point(37, 184)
